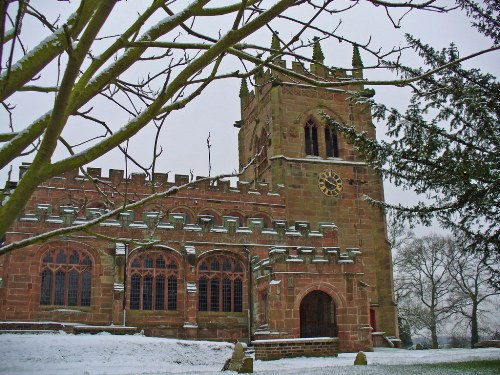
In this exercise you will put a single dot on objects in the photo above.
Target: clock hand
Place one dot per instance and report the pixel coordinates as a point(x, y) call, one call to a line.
point(331, 186)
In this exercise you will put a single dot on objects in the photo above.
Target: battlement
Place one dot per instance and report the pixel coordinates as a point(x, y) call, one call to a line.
point(315, 71)
point(304, 255)
point(138, 183)
point(272, 77)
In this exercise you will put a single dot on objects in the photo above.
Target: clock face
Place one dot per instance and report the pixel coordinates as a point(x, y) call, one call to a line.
point(330, 183)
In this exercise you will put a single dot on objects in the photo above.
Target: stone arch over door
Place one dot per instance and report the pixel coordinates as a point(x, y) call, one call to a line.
point(318, 315)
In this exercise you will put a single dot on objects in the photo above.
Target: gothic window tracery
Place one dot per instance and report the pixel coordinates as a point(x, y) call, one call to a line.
point(66, 278)
point(220, 284)
point(332, 143)
point(311, 138)
point(153, 281)
point(261, 143)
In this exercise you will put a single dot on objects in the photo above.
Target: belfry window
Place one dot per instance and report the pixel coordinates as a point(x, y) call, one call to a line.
point(332, 143)
point(66, 278)
point(311, 138)
point(153, 282)
point(220, 284)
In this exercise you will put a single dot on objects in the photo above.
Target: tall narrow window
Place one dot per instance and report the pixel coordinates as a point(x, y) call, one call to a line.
point(203, 294)
point(135, 292)
point(147, 292)
point(46, 292)
point(73, 288)
point(66, 278)
point(160, 292)
point(238, 295)
point(226, 294)
point(86, 287)
point(220, 286)
point(331, 141)
point(172, 292)
point(261, 144)
point(153, 281)
point(214, 295)
point(311, 138)
point(59, 290)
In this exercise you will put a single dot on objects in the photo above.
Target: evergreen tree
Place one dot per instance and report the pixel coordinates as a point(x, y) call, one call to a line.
point(445, 145)
point(405, 332)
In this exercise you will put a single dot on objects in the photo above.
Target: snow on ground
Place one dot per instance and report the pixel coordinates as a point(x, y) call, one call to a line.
point(62, 353)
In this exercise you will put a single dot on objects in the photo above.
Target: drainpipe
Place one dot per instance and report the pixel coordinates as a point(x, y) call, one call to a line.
point(250, 296)
point(125, 286)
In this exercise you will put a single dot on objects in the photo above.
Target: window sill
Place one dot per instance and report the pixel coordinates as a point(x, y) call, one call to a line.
point(221, 313)
point(65, 309)
point(334, 158)
point(153, 312)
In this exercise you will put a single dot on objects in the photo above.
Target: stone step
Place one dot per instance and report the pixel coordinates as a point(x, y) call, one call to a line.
point(46, 327)
point(27, 331)
point(115, 330)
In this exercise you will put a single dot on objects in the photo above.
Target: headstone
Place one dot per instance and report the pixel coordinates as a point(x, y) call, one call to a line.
point(360, 359)
point(239, 362)
point(246, 366)
point(239, 352)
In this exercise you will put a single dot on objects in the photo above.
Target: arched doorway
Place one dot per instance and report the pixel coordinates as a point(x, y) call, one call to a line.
point(317, 315)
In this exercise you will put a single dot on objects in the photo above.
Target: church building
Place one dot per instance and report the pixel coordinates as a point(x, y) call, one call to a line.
point(293, 250)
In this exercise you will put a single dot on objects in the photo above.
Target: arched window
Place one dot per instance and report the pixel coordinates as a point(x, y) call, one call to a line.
point(66, 278)
point(220, 284)
point(332, 143)
point(261, 144)
point(311, 138)
point(153, 281)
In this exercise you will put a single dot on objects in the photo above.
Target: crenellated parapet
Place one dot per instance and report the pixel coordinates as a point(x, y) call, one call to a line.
point(139, 183)
point(316, 71)
point(307, 255)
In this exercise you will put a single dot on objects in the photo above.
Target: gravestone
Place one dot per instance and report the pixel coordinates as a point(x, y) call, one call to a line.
point(360, 359)
point(239, 362)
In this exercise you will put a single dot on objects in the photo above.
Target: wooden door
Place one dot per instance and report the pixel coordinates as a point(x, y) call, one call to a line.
point(317, 315)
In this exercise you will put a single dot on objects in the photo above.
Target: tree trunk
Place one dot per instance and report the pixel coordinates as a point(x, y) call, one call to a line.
point(474, 334)
point(434, 338)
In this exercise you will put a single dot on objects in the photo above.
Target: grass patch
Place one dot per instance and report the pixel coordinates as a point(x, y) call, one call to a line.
point(476, 367)
point(469, 365)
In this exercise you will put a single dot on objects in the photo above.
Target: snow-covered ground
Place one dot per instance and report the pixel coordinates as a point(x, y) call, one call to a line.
point(62, 353)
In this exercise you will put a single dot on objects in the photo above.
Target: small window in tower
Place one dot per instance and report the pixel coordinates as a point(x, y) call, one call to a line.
point(332, 143)
point(311, 138)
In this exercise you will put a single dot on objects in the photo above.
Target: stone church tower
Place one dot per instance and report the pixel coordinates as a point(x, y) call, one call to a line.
point(320, 175)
